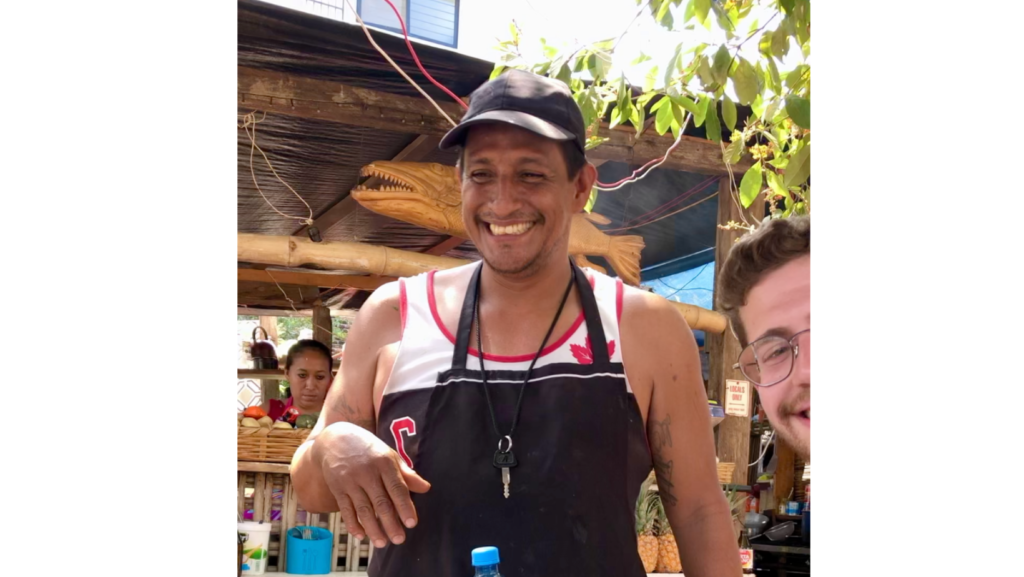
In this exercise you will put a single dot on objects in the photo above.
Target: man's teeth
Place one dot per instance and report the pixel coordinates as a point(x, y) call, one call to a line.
point(519, 228)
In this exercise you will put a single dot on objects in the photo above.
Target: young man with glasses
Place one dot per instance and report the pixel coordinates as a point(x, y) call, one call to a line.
point(765, 287)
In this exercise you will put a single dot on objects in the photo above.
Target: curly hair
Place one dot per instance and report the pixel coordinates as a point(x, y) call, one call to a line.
point(756, 255)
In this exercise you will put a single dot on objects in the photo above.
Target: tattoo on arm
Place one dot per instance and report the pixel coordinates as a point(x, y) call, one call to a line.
point(661, 437)
point(663, 471)
point(353, 416)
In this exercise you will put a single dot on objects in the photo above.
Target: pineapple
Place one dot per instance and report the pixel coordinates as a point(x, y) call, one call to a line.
point(646, 513)
point(668, 552)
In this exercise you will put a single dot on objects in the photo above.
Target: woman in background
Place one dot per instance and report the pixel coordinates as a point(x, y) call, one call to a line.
point(308, 367)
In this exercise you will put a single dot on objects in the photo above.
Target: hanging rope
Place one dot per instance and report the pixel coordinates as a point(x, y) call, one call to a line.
point(248, 121)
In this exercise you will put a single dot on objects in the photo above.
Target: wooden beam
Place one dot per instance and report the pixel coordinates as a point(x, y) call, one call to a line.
point(279, 312)
point(293, 251)
point(723, 349)
point(785, 465)
point(444, 246)
point(323, 280)
point(280, 93)
point(416, 150)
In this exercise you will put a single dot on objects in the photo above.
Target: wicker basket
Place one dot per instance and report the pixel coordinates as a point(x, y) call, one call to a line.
point(269, 445)
point(725, 471)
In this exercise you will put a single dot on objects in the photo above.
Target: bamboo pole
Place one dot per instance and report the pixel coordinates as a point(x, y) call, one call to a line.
point(358, 257)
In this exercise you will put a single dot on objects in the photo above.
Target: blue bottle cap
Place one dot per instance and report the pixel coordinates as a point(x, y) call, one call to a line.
point(485, 556)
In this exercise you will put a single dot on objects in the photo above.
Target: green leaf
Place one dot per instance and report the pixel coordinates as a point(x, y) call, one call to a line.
point(637, 116)
point(773, 77)
point(616, 117)
point(711, 122)
point(750, 186)
point(645, 98)
point(701, 9)
point(498, 69)
point(729, 113)
point(769, 112)
point(664, 14)
point(605, 45)
point(697, 109)
point(673, 65)
point(799, 77)
point(704, 71)
point(720, 67)
point(689, 12)
point(799, 109)
point(663, 120)
point(659, 104)
point(765, 44)
point(734, 152)
point(564, 74)
point(745, 81)
point(640, 59)
point(722, 17)
point(650, 79)
point(775, 183)
point(799, 168)
point(780, 44)
point(758, 106)
point(787, 5)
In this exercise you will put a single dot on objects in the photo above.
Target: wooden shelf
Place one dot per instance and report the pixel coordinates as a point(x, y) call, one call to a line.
point(267, 374)
point(257, 467)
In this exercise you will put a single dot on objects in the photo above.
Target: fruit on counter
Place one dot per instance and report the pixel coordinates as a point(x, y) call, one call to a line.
point(668, 550)
point(265, 421)
point(282, 425)
point(646, 514)
point(254, 412)
point(305, 422)
point(250, 423)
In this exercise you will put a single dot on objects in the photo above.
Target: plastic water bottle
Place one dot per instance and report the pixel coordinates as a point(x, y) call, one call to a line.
point(485, 561)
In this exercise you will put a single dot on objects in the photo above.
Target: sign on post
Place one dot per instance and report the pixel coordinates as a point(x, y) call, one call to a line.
point(737, 398)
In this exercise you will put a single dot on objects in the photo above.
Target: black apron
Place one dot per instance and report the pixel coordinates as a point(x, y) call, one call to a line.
point(582, 455)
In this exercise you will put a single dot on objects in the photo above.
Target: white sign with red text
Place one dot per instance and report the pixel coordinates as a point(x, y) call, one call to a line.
point(737, 398)
point(747, 558)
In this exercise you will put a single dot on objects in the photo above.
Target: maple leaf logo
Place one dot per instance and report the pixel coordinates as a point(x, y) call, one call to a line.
point(585, 354)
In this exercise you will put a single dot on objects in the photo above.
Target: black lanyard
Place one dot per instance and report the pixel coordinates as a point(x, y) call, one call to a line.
point(522, 388)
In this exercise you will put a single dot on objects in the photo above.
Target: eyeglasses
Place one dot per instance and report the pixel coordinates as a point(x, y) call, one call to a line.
point(769, 361)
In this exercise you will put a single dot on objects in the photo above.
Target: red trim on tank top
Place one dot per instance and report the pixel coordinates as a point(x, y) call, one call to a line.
point(618, 301)
point(403, 301)
point(500, 358)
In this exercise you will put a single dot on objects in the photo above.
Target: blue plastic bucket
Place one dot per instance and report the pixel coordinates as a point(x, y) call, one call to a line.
point(309, 556)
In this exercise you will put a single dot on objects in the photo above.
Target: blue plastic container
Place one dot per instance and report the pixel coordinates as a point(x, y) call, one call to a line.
point(485, 562)
point(309, 556)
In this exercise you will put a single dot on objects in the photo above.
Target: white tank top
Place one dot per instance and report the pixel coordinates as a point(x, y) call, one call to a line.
point(427, 345)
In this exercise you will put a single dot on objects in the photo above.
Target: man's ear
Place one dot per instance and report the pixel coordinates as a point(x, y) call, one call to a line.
point(583, 184)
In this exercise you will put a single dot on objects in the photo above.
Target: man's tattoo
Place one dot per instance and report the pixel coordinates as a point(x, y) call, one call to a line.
point(661, 435)
point(663, 472)
point(352, 415)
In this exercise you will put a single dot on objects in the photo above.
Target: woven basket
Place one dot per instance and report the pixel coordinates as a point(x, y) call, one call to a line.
point(725, 471)
point(269, 445)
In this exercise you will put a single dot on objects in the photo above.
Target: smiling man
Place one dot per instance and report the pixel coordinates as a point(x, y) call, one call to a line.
point(538, 444)
point(765, 285)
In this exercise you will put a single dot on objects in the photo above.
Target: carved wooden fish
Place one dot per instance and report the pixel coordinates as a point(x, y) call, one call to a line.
point(428, 195)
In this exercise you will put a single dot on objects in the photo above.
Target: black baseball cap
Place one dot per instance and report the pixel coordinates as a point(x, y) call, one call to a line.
point(538, 104)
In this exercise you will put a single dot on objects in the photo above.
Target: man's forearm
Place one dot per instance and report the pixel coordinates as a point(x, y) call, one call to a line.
point(707, 543)
point(308, 480)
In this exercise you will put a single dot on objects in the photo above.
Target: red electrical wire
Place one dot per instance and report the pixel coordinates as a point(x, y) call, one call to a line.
point(671, 203)
point(417, 58)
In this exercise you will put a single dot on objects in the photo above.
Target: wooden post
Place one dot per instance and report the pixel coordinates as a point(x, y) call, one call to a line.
point(322, 329)
point(733, 434)
point(269, 389)
point(785, 466)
